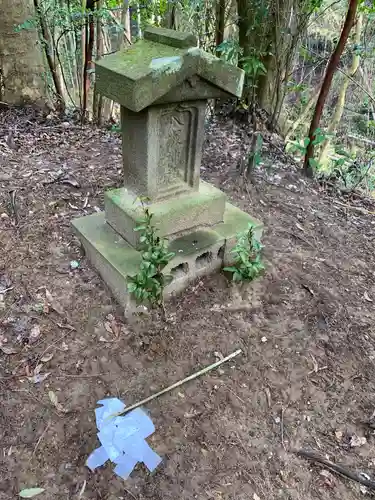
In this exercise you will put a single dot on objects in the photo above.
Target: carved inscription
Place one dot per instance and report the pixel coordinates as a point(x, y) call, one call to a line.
point(176, 148)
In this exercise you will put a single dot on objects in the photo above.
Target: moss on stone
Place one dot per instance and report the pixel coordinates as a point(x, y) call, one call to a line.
point(129, 78)
point(170, 37)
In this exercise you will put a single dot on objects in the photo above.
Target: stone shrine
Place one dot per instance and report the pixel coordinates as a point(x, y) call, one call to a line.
point(163, 83)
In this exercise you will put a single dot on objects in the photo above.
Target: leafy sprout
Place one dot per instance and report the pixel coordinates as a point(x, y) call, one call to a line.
point(147, 286)
point(248, 264)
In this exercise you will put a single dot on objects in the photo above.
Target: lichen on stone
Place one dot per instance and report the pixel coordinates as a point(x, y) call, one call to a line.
point(166, 65)
point(197, 52)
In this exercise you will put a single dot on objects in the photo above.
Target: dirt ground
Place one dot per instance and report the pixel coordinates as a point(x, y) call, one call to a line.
point(306, 375)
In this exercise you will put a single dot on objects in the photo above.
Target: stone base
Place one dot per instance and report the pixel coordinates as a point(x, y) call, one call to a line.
point(183, 213)
point(196, 254)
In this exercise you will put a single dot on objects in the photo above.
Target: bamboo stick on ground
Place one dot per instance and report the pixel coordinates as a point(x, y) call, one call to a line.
point(179, 383)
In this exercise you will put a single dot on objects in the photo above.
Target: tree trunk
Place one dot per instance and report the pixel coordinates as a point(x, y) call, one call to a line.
point(125, 21)
point(88, 53)
point(331, 68)
point(51, 57)
point(220, 21)
point(21, 60)
point(97, 104)
point(342, 94)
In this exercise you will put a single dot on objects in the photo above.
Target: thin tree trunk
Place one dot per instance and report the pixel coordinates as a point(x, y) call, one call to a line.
point(139, 28)
point(106, 105)
point(89, 45)
point(342, 94)
point(331, 68)
point(50, 56)
point(98, 99)
point(220, 22)
point(125, 21)
point(169, 20)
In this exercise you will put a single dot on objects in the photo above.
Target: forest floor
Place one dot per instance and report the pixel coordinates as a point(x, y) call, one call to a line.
point(306, 375)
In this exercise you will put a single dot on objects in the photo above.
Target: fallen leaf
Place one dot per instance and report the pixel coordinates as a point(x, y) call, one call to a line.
point(103, 339)
point(38, 368)
point(66, 327)
point(255, 497)
point(338, 435)
point(366, 297)
point(363, 489)
point(70, 182)
point(53, 304)
point(8, 349)
point(30, 492)
point(300, 227)
point(53, 398)
point(36, 379)
point(45, 307)
point(34, 333)
point(192, 414)
point(108, 327)
point(329, 479)
point(356, 441)
point(116, 328)
point(74, 264)
point(47, 357)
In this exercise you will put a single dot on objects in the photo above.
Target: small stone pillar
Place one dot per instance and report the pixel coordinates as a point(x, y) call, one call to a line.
point(163, 83)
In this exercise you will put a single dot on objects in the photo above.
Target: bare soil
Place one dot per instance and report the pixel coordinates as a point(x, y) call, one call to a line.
point(306, 375)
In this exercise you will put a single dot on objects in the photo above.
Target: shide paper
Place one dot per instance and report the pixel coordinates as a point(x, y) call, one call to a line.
point(122, 438)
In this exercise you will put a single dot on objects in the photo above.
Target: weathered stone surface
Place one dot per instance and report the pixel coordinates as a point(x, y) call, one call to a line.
point(173, 38)
point(162, 148)
point(198, 253)
point(176, 215)
point(145, 72)
point(110, 254)
point(191, 89)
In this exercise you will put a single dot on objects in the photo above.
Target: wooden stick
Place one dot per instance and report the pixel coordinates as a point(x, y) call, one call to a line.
point(178, 384)
point(339, 469)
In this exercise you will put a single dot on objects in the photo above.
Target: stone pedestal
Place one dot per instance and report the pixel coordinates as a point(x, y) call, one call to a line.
point(162, 84)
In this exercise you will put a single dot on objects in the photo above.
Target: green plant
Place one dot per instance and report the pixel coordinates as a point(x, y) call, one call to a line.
point(229, 50)
point(301, 146)
point(253, 66)
point(148, 284)
point(348, 173)
point(247, 252)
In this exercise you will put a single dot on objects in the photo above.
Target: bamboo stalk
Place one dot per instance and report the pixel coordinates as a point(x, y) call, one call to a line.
point(179, 383)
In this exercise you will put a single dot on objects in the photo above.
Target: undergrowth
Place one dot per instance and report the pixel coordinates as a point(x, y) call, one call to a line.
point(248, 264)
point(147, 286)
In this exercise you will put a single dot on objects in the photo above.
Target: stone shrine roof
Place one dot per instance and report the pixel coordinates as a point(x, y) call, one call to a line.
point(154, 67)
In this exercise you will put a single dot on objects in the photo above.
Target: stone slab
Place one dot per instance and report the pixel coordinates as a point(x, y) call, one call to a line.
point(197, 254)
point(185, 212)
point(110, 254)
point(170, 37)
point(148, 70)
